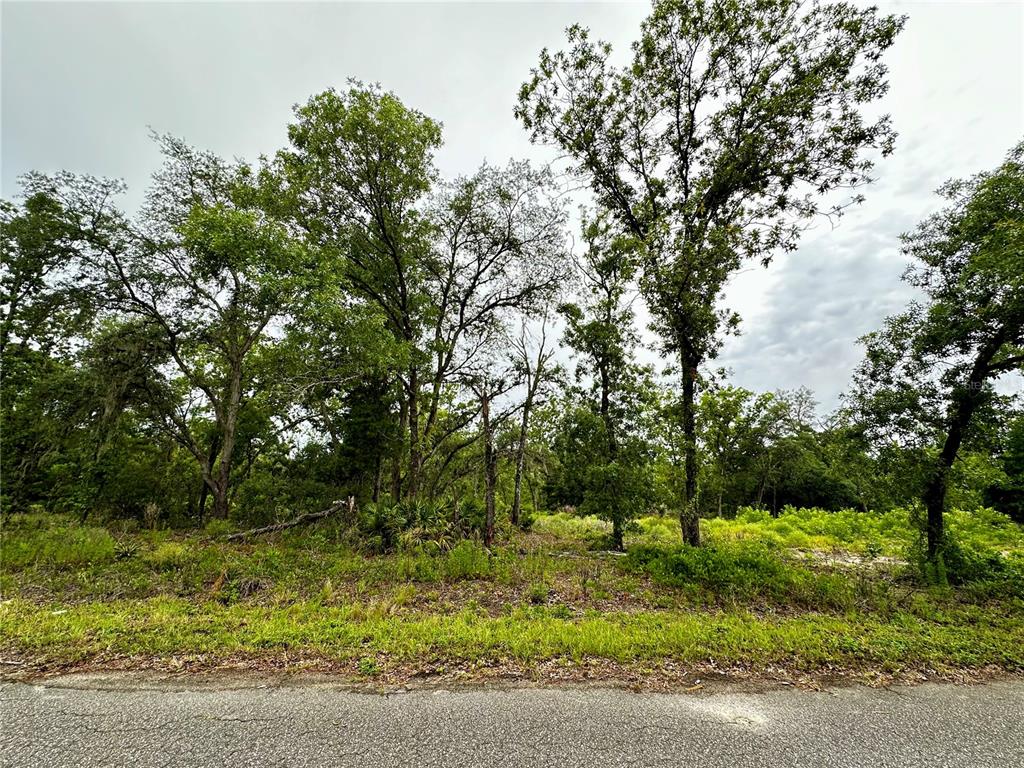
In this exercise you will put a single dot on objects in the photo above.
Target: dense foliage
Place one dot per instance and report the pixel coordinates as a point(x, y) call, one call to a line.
point(261, 339)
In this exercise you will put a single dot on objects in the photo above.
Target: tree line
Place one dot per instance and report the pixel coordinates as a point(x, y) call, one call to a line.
point(338, 318)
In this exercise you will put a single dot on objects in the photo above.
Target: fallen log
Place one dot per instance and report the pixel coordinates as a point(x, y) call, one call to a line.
point(308, 517)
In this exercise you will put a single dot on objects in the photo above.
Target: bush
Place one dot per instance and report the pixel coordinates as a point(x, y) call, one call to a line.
point(382, 524)
point(720, 569)
point(168, 556)
point(467, 560)
point(987, 571)
point(742, 572)
point(54, 541)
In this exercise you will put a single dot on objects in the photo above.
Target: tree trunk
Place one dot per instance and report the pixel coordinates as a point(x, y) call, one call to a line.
point(490, 471)
point(517, 494)
point(222, 481)
point(934, 496)
point(606, 411)
point(396, 459)
point(415, 456)
point(689, 521)
point(617, 543)
point(965, 403)
point(378, 478)
point(207, 475)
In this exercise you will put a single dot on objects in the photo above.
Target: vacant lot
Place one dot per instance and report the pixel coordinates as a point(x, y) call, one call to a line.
point(808, 592)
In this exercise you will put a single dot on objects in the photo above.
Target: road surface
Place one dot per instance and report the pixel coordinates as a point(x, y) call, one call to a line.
point(108, 721)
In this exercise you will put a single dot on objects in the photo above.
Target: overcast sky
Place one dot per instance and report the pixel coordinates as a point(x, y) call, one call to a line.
point(82, 84)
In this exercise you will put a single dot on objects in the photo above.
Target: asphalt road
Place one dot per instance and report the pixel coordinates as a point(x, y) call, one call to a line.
point(108, 722)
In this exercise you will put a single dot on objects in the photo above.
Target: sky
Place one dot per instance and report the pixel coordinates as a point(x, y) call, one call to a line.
point(83, 84)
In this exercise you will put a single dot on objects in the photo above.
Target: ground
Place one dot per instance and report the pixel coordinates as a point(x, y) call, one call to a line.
point(808, 598)
point(118, 720)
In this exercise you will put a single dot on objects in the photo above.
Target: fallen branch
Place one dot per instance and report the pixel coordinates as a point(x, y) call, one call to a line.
point(309, 517)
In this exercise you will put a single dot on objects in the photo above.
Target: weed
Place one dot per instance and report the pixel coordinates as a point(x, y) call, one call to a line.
point(368, 667)
point(538, 593)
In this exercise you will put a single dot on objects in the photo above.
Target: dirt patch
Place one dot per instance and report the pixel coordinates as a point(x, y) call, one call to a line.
point(389, 677)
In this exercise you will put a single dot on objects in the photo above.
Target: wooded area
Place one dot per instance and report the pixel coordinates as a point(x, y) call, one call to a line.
point(261, 339)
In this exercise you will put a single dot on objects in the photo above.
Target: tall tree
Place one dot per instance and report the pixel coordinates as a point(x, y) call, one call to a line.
point(601, 328)
point(605, 442)
point(536, 369)
point(729, 127)
point(499, 253)
point(207, 277)
point(359, 167)
point(928, 374)
point(42, 300)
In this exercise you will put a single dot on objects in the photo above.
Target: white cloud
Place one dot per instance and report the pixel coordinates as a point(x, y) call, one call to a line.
point(81, 83)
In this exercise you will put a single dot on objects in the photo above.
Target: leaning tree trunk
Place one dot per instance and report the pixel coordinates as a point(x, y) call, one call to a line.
point(689, 522)
point(934, 496)
point(965, 402)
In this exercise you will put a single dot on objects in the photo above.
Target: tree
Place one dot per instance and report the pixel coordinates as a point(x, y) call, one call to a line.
point(359, 167)
point(606, 443)
point(44, 309)
point(736, 431)
point(489, 383)
point(443, 268)
point(208, 280)
point(928, 374)
point(499, 253)
point(1007, 495)
point(42, 301)
point(535, 369)
point(601, 329)
point(730, 126)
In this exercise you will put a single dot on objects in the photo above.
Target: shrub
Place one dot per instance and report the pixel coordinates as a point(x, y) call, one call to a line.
point(988, 571)
point(60, 543)
point(741, 572)
point(168, 556)
point(381, 524)
point(467, 560)
point(538, 593)
point(720, 569)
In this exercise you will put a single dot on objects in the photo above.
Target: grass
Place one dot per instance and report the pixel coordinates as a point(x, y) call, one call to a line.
point(79, 593)
point(164, 627)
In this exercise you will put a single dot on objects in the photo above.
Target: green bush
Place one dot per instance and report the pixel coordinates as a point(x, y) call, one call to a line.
point(712, 567)
point(989, 572)
point(170, 555)
point(54, 541)
point(744, 572)
point(467, 560)
point(382, 524)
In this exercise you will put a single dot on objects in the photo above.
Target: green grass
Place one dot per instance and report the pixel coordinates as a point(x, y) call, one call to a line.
point(750, 572)
point(750, 595)
point(163, 627)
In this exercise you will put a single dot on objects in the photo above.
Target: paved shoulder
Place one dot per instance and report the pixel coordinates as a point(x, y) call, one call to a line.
point(928, 725)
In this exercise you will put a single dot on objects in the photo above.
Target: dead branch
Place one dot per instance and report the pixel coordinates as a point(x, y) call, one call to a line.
point(309, 517)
